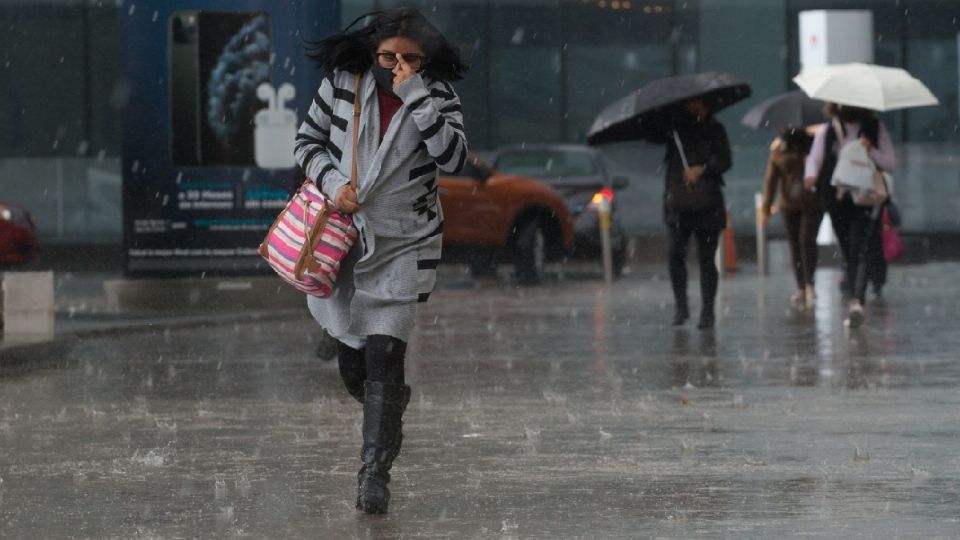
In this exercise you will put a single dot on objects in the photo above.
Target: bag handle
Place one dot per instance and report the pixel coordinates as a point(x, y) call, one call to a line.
point(679, 145)
point(356, 129)
point(312, 235)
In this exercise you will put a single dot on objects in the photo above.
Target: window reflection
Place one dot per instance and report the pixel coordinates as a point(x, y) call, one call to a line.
point(541, 71)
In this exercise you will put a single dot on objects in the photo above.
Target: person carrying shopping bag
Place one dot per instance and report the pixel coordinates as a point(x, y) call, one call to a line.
point(400, 68)
point(853, 125)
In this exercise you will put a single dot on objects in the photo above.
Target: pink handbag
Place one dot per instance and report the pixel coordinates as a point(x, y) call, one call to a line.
point(309, 239)
point(892, 245)
point(307, 242)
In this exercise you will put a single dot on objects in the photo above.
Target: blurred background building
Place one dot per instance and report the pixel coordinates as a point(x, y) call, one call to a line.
point(541, 70)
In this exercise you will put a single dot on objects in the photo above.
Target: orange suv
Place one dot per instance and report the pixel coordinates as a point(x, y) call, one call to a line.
point(521, 217)
point(491, 218)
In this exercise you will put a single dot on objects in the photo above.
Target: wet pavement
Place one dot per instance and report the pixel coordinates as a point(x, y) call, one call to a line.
point(563, 411)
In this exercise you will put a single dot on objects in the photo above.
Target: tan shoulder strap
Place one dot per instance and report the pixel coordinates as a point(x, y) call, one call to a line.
point(356, 129)
point(839, 131)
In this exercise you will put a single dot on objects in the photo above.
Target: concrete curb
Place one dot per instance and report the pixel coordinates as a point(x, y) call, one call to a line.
point(29, 355)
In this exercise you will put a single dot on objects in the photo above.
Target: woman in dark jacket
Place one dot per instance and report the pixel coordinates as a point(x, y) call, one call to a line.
point(800, 207)
point(693, 203)
point(409, 126)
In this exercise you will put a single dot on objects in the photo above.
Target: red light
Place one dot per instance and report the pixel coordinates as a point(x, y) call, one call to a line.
point(605, 193)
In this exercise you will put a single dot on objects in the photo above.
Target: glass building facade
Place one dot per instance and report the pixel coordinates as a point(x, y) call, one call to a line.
point(540, 71)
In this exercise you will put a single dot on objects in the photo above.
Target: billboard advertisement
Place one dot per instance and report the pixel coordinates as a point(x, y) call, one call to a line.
point(216, 90)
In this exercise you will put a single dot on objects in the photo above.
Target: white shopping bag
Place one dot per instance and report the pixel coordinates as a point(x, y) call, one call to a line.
point(855, 169)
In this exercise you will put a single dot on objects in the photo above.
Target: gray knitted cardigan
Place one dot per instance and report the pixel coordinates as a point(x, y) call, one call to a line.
point(394, 262)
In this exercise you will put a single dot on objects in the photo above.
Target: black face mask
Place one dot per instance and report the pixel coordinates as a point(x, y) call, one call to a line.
point(384, 78)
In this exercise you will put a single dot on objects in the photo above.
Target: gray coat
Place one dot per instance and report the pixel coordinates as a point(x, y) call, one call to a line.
point(393, 264)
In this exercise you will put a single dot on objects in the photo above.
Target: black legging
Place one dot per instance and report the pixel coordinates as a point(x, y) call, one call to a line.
point(380, 361)
point(706, 251)
point(802, 227)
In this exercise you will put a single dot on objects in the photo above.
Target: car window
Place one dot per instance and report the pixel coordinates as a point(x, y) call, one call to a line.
point(546, 163)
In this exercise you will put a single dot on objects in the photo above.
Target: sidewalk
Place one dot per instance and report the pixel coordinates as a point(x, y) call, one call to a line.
point(98, 301)
point(569, 410)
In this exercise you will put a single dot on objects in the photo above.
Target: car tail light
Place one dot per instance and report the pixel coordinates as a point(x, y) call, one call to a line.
point(605, 193)
point(16, 216)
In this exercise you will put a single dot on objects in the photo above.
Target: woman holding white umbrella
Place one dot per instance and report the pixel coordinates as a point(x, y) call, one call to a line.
point(851, 222)
point(859, 90)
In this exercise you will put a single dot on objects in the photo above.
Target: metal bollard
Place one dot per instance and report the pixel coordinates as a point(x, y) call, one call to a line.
point(761, 234)
point(606, 248)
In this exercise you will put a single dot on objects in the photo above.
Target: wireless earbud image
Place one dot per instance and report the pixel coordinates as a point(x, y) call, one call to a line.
point(266, 93)
point(286, 93)
point(276, 128)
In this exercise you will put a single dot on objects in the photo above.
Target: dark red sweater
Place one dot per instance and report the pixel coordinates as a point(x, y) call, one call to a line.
point(389, 105)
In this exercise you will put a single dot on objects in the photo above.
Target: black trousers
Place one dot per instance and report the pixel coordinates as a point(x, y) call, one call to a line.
point(380, 361)
point(865, 256)
point(841, 212)
point(802, 228)
point(706, 251)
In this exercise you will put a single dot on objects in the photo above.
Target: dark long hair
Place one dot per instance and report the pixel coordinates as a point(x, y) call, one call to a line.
point(868, 120)
point(796, 140)
point(352, 50)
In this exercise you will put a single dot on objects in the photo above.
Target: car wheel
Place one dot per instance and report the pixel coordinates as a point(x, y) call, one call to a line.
point(530, 253)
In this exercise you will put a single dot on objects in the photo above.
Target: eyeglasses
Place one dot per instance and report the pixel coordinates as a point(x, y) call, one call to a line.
point(388, 60)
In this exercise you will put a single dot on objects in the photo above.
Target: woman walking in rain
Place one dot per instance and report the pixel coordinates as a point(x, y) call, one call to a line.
point(694, 204)
point(857, 233)
point(800, 207)
point(410, 125)
point(835, 207)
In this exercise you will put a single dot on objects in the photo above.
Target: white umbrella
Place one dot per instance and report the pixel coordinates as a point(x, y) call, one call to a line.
point(869, 86)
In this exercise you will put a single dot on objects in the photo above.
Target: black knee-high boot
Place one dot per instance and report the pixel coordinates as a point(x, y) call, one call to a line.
point(353, 370)
point(383, 409)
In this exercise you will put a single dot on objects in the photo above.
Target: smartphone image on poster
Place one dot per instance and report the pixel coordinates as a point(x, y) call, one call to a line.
point(217, 61)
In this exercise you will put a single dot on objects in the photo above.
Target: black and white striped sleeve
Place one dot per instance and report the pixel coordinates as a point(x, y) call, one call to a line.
point(314, 150)
point(436, 111)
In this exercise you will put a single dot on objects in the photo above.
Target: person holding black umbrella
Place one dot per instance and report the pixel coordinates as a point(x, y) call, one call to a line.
point(693, 203)
point(678, 111)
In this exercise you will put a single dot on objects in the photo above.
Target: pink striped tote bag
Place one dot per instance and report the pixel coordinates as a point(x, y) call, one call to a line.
point(310, 238)
point(308, 241)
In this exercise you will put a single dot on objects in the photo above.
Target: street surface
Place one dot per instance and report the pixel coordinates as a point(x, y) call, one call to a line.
point(567, 410)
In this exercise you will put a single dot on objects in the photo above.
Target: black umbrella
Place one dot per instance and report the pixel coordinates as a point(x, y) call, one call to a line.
point(645, 114)
point(787, 110)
